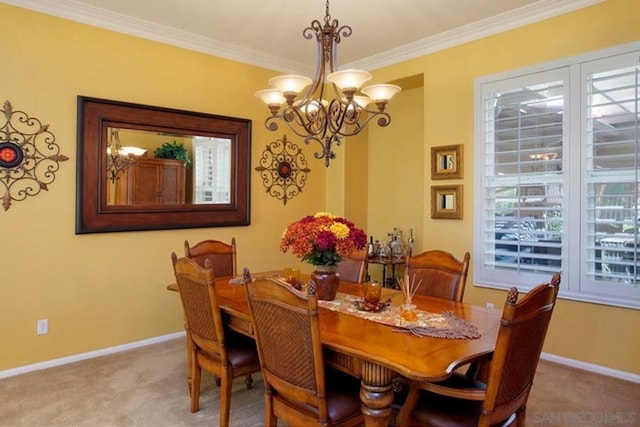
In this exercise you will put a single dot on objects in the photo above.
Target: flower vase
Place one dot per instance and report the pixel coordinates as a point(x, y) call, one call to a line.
point(327, 281)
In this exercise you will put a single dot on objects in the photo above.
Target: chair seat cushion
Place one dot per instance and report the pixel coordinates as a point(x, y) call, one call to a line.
point(241, 350)
point(441, 411)
point(343, 395)
point(438, 411)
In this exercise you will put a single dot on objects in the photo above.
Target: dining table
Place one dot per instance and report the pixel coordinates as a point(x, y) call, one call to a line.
point(378, 353)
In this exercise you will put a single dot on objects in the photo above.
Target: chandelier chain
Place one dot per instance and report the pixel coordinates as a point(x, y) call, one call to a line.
point(327, 16)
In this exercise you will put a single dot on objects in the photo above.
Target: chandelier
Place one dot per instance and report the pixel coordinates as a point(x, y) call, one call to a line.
point(310, 114)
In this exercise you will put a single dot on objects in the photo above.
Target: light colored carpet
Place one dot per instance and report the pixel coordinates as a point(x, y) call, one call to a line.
point(146, 387)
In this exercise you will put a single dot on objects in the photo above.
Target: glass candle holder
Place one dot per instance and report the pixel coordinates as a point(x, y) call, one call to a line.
point(408, 312)
point(372, 292)
point(291, 276)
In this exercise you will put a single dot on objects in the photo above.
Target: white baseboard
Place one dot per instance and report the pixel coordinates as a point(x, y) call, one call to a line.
point(597, 369)
point(602, 370)
point(89, 355)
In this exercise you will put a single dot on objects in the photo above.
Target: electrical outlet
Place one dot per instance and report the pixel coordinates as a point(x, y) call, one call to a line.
point(489, 305)
point(43, 326)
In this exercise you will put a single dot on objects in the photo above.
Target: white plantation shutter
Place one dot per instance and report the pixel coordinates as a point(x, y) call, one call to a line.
point(558, 177)
point(523, 132)
point(612, 129)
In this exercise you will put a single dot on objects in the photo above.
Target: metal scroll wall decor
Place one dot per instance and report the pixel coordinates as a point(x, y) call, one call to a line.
point(283, 169)
point(29, 156)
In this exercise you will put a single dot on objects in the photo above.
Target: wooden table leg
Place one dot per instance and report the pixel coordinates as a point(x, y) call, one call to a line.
point(376, 394)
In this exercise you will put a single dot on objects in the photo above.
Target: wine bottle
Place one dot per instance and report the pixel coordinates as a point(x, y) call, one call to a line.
point(371, 251)
point(410, 240)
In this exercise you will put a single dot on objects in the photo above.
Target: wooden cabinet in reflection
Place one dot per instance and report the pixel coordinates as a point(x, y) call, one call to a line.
point(150, 181)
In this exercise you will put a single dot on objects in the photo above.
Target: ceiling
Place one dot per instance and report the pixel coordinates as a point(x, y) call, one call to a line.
point(268, 33)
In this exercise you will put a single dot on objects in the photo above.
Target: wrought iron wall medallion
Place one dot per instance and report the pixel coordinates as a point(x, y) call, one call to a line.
point(29, 156)
point(283, 169)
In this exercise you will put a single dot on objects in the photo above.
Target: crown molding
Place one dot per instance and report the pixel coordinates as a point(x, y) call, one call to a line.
point(516, 18)
point(98, 17)
point(81, 12)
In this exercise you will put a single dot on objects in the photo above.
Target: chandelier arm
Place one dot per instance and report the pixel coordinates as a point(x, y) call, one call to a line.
point(271, 123)
point(383, 120)
point(327, 152)
point(313, 122)
point(336, 116)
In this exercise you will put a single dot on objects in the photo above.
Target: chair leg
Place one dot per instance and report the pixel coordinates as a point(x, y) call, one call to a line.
point(249, 381)
point(225, 399)
point(189, 359)
point(195, 387)
point(521, 414)
point(270, 419)
point(405, 415)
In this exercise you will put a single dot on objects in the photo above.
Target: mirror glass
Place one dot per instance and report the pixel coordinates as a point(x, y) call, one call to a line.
point(144, 168)
point(205, 178)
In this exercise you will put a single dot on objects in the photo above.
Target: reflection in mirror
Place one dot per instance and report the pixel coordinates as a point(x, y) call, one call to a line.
point(211, 170)
point(147, 168)
point(132, 165)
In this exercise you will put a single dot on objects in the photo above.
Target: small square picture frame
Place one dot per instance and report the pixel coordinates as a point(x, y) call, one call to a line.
point(446, 162)
point(446, 201)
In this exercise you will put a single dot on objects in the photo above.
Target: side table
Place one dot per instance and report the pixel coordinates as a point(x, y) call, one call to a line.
point(386, 261)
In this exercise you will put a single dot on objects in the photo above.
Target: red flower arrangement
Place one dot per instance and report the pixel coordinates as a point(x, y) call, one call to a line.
point(322, 239)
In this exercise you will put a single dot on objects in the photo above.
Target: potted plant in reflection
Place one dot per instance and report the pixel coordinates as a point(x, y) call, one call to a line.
point(322, 240)
point(174, 151)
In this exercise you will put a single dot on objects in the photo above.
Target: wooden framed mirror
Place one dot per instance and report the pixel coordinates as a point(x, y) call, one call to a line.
point(119, 188)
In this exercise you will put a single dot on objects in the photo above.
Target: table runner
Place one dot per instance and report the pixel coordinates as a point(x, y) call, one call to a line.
point(444, 325)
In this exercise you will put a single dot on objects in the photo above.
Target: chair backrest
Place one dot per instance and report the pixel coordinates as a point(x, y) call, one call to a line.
point(442, 274)
point(197, 291)
point(353, 267)
point(222, 256)
point(522, 332)
point(287, 332)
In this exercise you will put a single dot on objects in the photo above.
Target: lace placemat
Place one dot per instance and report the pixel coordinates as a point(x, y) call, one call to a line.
point(444, 325)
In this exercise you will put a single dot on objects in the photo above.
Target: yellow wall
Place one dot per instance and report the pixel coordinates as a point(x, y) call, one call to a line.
point(397, 162)
point(102, 290)
point(94, 299)
point(592, 333)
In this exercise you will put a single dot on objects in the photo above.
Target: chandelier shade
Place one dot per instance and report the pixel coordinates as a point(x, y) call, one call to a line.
point(290, 84)
point(328, 107)
point(349, 79)
point(381, 92)
point(271, 97)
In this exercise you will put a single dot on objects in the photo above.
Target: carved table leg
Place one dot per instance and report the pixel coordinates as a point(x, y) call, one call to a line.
point(376, 394)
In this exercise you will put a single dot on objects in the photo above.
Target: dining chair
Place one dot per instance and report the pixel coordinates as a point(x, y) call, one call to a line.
point(217, 254)
point(442, 274)
point(353, 267)
point(222, 352)
point(299, 388)
point(221, 255)
point(464, 401)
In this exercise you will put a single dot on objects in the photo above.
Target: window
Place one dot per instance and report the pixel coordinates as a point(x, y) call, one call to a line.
point(557, 155)
point(212, 170)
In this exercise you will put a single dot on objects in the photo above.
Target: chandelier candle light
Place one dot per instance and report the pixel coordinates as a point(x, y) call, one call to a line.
point(311, 115)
